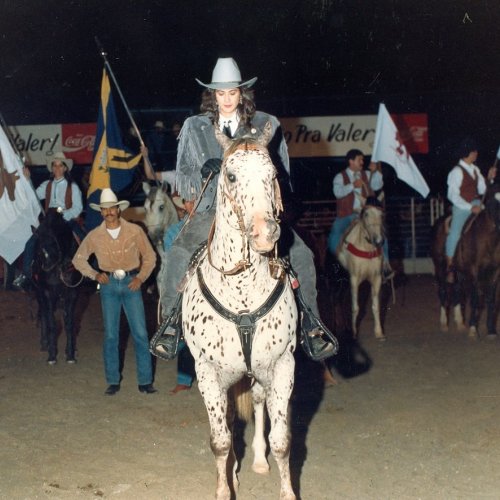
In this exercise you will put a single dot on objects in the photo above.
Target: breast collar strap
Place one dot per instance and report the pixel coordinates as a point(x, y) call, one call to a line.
point(245, 321)
point(372, 254)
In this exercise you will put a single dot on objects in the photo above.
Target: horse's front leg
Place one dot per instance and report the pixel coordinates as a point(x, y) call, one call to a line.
point(491, 310)
point(51, 303)
point(354, 304)
point(215, 398)
point(69, 325)
point(278, 397)
point(376, 283)
point(260, 464)
point(474, 312)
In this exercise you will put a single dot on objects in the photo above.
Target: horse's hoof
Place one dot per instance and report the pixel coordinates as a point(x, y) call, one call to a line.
point(71, 361)
point(381, 338)
point(51, 361)
point(260, 468)
point(491, 336)
point(444, 328)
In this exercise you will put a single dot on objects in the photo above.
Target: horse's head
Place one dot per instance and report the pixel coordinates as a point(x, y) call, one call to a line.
point(53, 241)
point(248, 193)
point(160, 211)
point(372, 220)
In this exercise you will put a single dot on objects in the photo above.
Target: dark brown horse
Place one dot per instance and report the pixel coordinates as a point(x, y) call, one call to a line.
point(56, 280)
point(477, 259)
point(451, 295)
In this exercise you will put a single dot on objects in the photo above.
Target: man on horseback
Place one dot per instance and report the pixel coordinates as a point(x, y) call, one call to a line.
point(350, 187)
point(60, 193)
point(466, 186)
point(227, 103)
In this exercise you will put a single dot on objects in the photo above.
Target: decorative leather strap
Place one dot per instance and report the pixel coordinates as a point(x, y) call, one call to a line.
point(362, 253)
point(244, 320)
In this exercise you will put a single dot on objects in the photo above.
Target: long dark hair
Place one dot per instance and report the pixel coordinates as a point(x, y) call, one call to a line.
point(246, 107)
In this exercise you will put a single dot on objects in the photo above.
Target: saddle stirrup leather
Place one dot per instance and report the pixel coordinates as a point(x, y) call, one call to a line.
point(173, 320)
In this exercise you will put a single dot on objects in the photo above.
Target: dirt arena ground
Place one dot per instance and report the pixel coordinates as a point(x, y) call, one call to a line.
point(416, 417)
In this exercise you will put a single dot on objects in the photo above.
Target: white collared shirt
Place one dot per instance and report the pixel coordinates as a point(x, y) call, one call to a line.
point(455, 178)
point(232, 122)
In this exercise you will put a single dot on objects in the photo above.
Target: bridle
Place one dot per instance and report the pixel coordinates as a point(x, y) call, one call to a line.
point(244, 262)
point(366, 225)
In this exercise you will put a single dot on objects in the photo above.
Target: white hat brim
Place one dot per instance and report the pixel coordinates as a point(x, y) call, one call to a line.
point(67, 161)
point(227, 85)
point(122, 205)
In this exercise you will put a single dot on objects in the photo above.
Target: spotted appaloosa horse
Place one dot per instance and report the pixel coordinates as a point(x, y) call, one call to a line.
point(360, 253)
point(234, 284)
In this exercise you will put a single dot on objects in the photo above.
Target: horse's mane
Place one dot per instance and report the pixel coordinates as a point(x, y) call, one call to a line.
point(245, 143)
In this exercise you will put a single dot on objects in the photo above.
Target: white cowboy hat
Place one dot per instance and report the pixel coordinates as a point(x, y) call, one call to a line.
point(226, 75)
point(108, 200)
point(59, 156)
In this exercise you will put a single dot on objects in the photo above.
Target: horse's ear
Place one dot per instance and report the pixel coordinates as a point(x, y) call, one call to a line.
point(222, 139)
point(146, 187)
point(166, 187)
point(267, 134)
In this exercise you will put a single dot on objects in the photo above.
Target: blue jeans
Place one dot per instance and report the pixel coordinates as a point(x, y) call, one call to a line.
point(114, 296)
point(458, 219)
point(185, 365)
point(339, 227)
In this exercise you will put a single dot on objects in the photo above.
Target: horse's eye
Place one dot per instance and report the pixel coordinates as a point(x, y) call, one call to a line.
point(162, 207)
point(231, 177)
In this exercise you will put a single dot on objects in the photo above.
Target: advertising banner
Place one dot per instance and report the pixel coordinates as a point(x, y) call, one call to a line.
point(310, 136)
point(38, 143)
point(320, 136)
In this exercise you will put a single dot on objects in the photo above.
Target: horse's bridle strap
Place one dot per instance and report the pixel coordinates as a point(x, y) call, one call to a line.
point(244, 320)
point(362, 253)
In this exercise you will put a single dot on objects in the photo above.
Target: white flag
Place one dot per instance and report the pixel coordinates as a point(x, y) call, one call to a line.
point(388, 148)
point(19, 206)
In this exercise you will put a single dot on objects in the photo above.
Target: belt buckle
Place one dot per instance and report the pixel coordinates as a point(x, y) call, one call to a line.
point(119, 274)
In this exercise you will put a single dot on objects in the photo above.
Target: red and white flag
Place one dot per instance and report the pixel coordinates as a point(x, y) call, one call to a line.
point(19, 205)
point(389, 148)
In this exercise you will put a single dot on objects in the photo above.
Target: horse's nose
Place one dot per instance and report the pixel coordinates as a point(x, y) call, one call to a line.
point(263, 234)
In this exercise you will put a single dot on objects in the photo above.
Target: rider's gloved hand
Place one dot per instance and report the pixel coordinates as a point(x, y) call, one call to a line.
point(212, 165)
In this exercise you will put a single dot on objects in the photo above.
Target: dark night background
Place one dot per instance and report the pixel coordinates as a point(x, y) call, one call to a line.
point(317, 57)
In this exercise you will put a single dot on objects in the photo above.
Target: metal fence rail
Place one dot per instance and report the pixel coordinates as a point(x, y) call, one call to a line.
point(408, 224)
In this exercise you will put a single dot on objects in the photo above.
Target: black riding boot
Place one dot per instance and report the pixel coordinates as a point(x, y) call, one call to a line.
point(165, 343)
point(316, 339)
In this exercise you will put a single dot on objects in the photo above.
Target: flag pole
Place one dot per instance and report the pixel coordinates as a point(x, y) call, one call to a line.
point(112, 75)
point(13, 145)
point(104, 55)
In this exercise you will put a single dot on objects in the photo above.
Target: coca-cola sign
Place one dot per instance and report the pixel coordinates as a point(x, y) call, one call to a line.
point(38, 143)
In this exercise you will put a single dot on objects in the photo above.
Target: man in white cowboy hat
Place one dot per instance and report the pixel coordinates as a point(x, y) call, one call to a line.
point(228, 104)
point(125, 259)
point(60, 193)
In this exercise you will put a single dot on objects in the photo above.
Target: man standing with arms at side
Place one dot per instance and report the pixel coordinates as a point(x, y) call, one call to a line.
point(126, 259)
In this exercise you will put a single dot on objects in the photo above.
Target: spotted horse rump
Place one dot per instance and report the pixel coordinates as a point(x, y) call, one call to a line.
point(239, 312)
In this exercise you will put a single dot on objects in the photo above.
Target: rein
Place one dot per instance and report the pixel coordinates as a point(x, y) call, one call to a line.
point(244, 262)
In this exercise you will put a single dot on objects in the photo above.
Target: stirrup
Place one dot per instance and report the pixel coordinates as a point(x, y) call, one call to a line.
point(170, 342)
point(309, 322)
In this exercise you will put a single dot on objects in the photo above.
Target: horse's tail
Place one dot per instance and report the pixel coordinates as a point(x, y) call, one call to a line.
point(243, 399)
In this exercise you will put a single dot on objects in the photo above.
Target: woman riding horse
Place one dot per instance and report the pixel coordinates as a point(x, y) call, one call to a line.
point(228, 105)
